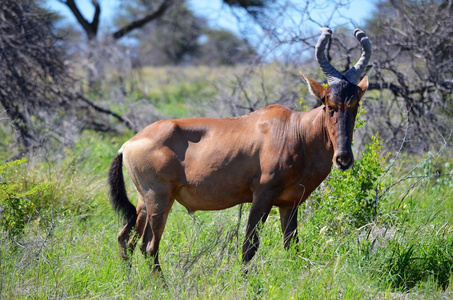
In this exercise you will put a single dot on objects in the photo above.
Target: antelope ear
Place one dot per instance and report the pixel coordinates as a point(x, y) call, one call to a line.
point(315, 88)
point(362, 87)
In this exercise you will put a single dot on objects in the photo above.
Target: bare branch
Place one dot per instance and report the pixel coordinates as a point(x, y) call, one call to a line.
point(413, 67)
point(91, 28)
point(126, 121)
point(143, 21)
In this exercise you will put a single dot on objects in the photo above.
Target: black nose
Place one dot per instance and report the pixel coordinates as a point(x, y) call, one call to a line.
point(344, 160)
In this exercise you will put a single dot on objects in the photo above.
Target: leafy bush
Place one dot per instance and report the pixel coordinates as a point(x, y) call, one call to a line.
point(350, 199)
point(46, 191)
point(17, 202)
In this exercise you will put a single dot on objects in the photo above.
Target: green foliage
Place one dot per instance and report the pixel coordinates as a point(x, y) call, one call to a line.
point(360, 121)
point(301, 106)
point(19, 198)
point(349, 199)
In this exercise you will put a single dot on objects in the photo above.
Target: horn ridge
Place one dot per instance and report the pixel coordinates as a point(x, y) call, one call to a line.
point(353, 74)
point(329, 71)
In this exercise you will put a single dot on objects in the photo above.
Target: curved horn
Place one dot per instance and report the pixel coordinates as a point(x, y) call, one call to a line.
point(354, 73)
point(331, 73)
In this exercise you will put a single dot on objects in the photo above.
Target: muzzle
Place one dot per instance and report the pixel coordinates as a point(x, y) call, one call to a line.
point(343, 160)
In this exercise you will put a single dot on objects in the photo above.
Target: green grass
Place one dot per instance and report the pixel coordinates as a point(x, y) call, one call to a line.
point(69, 249)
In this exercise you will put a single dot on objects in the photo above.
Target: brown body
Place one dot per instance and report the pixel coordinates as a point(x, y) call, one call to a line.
point(271, 157)
point(212, 164)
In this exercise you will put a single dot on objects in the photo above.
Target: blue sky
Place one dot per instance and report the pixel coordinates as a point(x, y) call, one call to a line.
point(215, 12)
point(212, 9)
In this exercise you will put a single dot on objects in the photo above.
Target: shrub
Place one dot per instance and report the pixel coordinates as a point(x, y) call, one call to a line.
point(17, 204)
point(46, 191)
point(350, 199)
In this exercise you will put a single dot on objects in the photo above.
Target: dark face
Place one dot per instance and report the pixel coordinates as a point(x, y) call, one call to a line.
point(341, 105)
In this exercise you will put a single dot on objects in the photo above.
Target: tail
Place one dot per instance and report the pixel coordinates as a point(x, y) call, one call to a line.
point(118, 195)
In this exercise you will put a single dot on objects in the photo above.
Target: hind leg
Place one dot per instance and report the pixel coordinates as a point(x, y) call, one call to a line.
point(126, 242)
point(158, 206)
point(140, 226)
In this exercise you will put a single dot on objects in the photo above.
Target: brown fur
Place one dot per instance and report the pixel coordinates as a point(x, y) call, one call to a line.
point(271, 157)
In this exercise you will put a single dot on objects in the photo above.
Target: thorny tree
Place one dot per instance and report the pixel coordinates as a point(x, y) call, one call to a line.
point(33, 77)
point(413, 71)
point(36, 89)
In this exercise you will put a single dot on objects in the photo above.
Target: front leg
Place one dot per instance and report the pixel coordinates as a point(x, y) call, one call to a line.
point(261, 206)
point(288, 220)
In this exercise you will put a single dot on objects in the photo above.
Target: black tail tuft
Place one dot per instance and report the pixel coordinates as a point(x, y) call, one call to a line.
point(118, 196)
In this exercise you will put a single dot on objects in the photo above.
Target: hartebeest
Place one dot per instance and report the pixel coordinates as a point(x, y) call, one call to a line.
point(270, 157)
